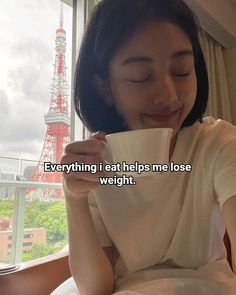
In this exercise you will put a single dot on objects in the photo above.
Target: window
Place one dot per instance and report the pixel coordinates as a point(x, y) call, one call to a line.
point(28, 236)
point(32, 40)
point(27, 244)
point(35, 35)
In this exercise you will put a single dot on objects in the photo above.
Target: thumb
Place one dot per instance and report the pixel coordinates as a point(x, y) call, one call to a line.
point(100, 135)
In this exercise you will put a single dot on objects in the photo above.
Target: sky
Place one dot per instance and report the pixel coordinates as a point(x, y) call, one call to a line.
point(27, 55)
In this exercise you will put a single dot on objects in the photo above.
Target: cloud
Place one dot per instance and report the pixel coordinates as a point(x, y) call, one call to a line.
point(5, 105)
point(23, 129)
point(31, 81)
point(27, 57)
point(34, 50)
point(32, 151)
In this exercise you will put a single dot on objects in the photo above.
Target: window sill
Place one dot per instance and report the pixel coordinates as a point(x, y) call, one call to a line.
point(42, 275)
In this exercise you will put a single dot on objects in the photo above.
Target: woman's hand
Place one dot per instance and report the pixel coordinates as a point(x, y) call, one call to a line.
point(89, 265)
point(77, 185)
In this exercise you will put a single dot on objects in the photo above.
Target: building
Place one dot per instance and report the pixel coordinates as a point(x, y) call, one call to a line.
point(7, 176)
point(7, 192)
point(28, 172)
point(32, 236)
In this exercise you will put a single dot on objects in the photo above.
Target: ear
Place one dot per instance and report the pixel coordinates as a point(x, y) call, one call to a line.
point(103, 88)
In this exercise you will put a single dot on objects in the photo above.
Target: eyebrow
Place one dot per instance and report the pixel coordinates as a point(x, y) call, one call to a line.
point(143, 59)
point(185, 52)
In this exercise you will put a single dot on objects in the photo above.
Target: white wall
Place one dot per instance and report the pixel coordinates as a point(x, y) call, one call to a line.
point(218, 18)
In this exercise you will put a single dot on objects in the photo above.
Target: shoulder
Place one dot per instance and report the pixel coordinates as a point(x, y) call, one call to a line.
point(218, 146)
point(217, 133)
point(211, 141)
point(207, 138)
point(218, 127)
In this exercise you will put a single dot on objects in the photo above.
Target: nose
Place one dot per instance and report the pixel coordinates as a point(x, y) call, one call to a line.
point(165, 95)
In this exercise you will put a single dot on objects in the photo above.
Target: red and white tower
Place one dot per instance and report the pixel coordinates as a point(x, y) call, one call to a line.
point(57, 118)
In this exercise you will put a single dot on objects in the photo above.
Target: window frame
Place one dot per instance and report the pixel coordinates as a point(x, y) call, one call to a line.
point(80, 10)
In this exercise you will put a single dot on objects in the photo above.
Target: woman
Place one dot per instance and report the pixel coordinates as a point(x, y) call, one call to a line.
point(141, 66)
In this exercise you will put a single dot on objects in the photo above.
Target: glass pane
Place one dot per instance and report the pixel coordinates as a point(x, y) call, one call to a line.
point(45, 228)
point(35, 58)
point(6, 223)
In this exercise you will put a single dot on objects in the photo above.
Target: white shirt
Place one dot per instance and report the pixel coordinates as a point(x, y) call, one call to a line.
point(173, 219)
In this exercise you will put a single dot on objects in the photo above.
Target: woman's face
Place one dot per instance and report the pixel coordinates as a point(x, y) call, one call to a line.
point(152, 80)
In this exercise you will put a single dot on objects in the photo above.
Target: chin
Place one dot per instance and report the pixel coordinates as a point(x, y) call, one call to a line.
point(174, 122)
point(175, 128)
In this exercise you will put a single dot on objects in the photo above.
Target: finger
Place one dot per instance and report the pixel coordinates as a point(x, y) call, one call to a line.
point(90, 168)
point(82, 175)
point(68, 159)
point(87, 146)
point(100, 135)
point(87, 159)
point(80, 186)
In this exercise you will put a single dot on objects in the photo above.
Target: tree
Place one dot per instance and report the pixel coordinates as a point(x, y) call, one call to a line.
point(38, 251)
point(54, 220)
point(6, 208)
point(32, 210)
point(51, 216)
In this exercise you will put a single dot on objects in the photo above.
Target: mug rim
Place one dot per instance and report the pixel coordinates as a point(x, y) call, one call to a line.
point(123, 133)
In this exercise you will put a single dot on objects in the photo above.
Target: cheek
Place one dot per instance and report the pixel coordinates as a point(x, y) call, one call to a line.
point(188, 91)
point(193, 90)
point(125, 98)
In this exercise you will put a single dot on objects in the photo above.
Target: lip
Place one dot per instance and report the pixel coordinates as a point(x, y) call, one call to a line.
point(162, 116)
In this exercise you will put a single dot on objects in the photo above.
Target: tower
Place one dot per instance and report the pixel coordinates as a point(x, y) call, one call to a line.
point(57, 118)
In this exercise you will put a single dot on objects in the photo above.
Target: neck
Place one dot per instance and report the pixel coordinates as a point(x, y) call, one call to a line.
point(172, 145)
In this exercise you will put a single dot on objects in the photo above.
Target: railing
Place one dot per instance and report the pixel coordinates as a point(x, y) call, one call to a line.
point(10, 167)
point(19, 210)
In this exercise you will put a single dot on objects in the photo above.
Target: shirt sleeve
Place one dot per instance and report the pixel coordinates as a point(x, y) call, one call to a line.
point(225, 172)
point(102, 233)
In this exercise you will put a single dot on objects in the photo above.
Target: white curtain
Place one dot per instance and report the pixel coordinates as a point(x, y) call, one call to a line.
point(219, 100)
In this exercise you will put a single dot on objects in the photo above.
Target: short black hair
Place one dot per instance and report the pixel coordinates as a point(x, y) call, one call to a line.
point(112, 23)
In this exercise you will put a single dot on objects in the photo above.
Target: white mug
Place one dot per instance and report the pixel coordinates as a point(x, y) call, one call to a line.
point(145, 146)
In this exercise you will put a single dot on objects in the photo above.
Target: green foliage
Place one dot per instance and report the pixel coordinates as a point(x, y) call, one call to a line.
point(6, 208)
point(33, 210)
point(50, 215)
point(54, 220)
point(38, 251)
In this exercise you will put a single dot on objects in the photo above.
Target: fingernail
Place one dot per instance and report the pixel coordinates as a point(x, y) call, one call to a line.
point(100, 133)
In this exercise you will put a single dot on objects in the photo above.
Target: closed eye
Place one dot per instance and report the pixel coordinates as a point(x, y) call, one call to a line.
point(140, 81)
point(181, 75)
point(149, 77)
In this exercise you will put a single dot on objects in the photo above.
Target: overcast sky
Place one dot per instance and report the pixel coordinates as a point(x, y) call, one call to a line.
point(27, 55)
